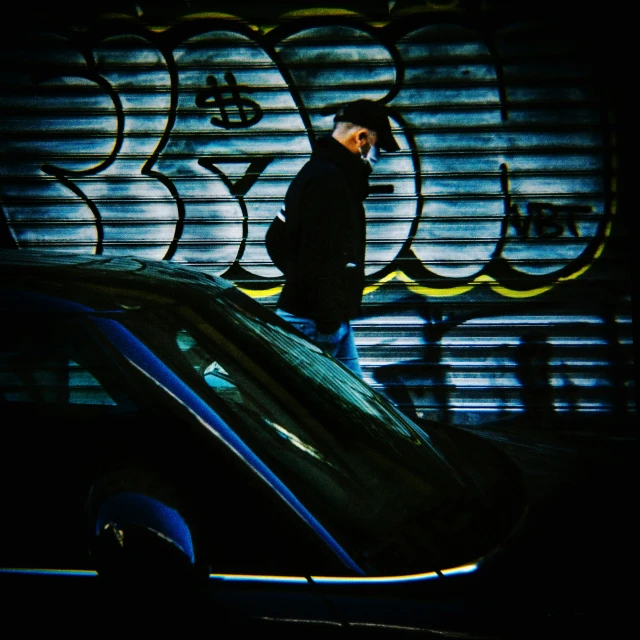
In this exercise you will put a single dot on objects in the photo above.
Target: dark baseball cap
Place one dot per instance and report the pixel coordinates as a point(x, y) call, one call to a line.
point(370, 115)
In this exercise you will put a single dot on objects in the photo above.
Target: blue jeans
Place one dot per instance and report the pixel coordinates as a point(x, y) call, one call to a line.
point(340, 344)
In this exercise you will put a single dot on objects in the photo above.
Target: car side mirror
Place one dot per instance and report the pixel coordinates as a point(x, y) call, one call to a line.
point(140, 541)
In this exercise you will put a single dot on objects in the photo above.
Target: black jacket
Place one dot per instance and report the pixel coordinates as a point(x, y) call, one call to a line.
point(324, 237)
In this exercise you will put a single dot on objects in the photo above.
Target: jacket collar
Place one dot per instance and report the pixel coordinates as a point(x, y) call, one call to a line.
point(352, 166)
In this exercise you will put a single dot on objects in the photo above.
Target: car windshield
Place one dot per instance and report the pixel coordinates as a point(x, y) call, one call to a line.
point(363, 469)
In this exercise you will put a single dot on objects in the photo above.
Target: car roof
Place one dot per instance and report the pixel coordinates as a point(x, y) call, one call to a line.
point(103, 283)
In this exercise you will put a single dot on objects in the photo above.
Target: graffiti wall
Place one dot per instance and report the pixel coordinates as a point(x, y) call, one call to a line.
point(496, 284)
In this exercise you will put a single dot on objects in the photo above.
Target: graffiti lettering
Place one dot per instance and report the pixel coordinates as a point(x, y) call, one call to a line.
point(547, 220)
point(246, 111)
point(435, 214)
point(241, 186)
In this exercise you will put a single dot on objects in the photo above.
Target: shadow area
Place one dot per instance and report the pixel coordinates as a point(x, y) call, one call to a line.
point(570, 571)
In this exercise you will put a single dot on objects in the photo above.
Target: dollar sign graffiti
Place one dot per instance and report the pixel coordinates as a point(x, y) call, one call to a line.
point(236, 111)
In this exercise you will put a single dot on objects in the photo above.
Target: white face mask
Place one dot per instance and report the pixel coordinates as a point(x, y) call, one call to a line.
point(372, 157)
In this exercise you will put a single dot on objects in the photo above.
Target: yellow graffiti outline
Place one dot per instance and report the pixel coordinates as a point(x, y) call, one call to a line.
point(485, 280)
point(208, 15)
point(413, 286)
point(315, 12)
point(267, 293)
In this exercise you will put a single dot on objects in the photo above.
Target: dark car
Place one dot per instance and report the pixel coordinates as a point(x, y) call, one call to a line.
point(153, 411)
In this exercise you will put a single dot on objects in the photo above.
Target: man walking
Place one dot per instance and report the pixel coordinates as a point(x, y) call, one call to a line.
point(319, 241)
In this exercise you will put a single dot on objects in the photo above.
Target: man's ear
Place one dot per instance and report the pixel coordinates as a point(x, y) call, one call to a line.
point(362, 136)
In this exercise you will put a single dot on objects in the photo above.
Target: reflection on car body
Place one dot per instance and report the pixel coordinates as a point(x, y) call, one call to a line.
point(125, 375)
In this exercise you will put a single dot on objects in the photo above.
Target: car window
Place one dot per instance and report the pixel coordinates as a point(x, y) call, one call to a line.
point(78, 426)
point(360, 467)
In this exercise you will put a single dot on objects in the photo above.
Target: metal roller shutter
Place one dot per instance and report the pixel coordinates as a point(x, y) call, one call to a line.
point(498, 286)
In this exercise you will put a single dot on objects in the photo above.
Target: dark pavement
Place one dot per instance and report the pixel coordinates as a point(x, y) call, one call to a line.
point(573, 570)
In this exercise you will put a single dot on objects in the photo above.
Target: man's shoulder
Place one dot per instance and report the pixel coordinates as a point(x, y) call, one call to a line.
point(320, 169)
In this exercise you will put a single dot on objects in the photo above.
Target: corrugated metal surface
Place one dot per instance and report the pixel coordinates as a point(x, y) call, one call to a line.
point(497, 287)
